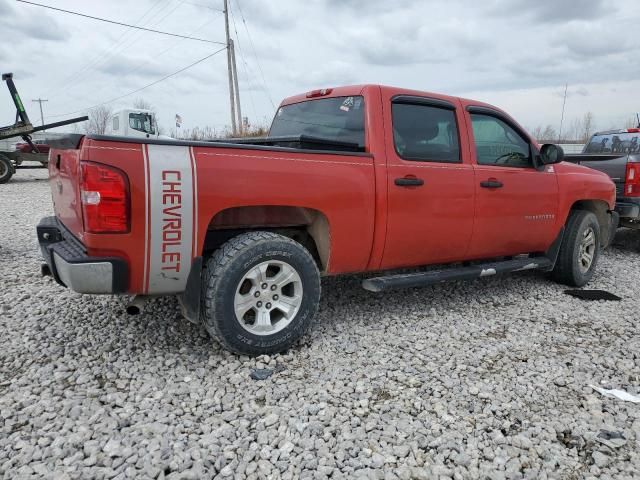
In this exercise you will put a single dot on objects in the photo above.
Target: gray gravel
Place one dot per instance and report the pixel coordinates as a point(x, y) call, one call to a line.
point(486, 379)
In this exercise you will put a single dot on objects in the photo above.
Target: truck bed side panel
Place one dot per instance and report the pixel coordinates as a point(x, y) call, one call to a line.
point(339, 186)
point(177, 190)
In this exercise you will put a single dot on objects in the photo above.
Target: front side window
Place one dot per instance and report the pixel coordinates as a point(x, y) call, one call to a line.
point(142, 122)
point(425, 133)
point(499, 144)
point(336, 118)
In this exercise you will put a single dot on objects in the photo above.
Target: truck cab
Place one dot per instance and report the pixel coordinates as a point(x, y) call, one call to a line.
point(133, 122)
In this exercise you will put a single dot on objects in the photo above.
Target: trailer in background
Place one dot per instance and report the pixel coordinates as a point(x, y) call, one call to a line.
point(10, 160)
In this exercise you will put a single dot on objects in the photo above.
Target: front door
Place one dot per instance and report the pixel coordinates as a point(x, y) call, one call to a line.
point(516, 204)
point(430, 187)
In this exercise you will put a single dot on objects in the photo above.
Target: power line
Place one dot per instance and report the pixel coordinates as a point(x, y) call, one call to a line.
point(100, 57)
point(162, 52)
point(121, 24)
point(264, 83)
point(141, 88)
point(128, 37)
point(219, 10)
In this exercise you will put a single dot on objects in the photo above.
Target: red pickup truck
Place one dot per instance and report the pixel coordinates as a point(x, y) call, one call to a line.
point(351, 179)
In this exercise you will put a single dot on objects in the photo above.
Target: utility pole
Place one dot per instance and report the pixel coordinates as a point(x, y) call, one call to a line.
point(230, 68)
point(235, 86)
point(40, 100)
point(564, 102)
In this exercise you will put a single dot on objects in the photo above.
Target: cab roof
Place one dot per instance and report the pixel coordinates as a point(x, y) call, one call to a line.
point(350, 90)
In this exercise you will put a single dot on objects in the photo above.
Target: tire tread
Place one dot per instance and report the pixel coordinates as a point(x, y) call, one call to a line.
point(563, 271)
point(216, 268)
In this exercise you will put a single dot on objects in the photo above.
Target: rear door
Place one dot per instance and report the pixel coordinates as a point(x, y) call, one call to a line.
point(516, 204)
point(430, 188)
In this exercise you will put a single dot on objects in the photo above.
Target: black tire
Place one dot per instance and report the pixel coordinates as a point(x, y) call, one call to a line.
point(568, 268)
point(6, 169)
point(221, 282)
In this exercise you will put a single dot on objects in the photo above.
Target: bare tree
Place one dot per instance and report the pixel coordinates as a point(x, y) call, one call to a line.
point(251, 130)
point(79, 127)
point(142, 104)
point(574, 131)
point(549, 134)
point(537, 132)
point(99, 118)
point(196, 133)
point(210, 133)
point(587, 127)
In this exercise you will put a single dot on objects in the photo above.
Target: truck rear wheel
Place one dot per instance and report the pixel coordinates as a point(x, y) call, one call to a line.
point(580, 249)
point(6, 169)
point(260, 292)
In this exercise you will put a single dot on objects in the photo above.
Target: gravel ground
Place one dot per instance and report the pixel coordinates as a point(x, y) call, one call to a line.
point(485, 379)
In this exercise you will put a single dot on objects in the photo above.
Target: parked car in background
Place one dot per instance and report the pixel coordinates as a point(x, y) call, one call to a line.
point(41, 145)
point(350, 179)
point(617, 153)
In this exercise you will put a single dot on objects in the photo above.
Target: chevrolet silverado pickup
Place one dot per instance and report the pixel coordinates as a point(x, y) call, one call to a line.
point(617, 153)
point(350, 179)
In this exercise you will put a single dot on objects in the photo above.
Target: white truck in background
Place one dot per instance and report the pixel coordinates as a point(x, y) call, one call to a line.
point(133, 122)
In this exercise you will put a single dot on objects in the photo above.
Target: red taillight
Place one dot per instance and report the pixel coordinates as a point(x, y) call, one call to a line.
point(104, 192)
point(632, 180)
point(319, 93)
point(633, 130)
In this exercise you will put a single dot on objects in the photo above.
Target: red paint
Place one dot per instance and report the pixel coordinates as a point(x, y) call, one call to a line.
point(104, 193)
point(24, 147)
point(374, 224)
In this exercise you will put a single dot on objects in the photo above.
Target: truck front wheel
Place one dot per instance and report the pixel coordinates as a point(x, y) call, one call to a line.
point(260, 292)
point(580, 249)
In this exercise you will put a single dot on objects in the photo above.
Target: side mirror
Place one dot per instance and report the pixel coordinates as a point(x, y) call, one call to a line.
point(550, 154)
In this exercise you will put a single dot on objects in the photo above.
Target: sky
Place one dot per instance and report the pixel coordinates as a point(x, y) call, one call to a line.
point(515, 54)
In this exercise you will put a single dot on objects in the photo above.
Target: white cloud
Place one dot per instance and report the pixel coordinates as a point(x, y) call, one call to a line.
point(517, 52)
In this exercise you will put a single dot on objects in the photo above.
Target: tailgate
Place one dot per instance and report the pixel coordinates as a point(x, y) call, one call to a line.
point(613, 165)
point(64, 179)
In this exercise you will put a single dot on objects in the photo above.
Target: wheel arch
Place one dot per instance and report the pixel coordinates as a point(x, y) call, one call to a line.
point(308, 226)
point(601, 210)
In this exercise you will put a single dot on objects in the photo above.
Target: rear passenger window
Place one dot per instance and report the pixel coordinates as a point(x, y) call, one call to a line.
point(499, 144)
point(425, 133)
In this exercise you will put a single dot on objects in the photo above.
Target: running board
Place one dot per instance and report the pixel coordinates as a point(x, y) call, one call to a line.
point(422, 279)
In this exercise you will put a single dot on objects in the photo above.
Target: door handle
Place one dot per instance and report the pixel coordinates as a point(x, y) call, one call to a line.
point(409, 182)
point(491, 183)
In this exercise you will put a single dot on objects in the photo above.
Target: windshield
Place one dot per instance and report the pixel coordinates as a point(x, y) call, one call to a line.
point(142, 122)
point(622, 142)
point(337, 118)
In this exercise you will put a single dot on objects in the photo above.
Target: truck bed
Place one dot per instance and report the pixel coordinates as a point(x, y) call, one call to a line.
point(210, 181)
